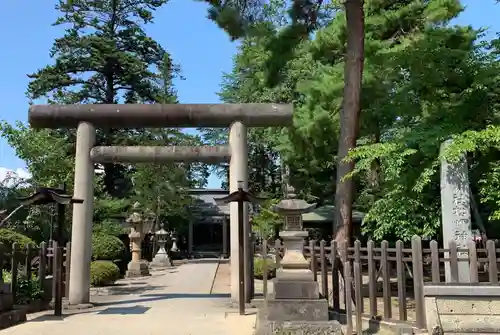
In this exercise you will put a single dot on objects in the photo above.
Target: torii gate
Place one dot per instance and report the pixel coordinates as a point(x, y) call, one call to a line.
point(86, 118)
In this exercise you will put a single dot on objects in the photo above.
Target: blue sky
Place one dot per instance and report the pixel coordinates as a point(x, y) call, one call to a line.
point(199, 46)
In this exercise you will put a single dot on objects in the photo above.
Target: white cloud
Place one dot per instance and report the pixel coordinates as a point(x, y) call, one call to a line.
point(8, 176)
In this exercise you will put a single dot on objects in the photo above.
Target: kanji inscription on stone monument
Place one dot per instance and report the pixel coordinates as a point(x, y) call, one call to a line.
point(460, 205)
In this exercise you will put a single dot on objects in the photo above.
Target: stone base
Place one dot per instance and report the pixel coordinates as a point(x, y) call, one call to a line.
point(264, 326)
point(77, 307)
point(287, 289)
point(11, 318)
point(295, 275)
point(137, 269)
point(297, 310)
point(161, 261)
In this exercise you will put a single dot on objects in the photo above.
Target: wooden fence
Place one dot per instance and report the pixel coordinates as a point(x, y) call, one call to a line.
point(386, 281)
point(38, 263)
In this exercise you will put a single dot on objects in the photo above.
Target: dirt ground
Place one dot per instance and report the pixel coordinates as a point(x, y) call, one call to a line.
point(222, 281)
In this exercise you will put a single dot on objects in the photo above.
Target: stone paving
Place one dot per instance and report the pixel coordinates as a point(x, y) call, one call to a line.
point(175, 301)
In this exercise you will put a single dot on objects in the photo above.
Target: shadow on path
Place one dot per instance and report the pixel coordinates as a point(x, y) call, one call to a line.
point(163, 296)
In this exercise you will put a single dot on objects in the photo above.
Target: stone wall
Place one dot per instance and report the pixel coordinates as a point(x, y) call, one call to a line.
point(462, 308)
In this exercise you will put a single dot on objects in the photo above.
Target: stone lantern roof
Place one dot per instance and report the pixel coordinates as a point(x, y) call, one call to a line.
point(291, 205)
point(162, 231)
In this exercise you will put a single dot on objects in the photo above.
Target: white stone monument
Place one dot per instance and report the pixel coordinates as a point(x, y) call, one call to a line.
point(455, 209)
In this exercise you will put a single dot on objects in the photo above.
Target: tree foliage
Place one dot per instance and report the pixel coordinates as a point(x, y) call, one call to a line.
point(105, 56)
point(425, 81)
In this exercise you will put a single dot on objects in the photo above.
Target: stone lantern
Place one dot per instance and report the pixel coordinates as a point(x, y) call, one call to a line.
point(296, 294)
point(137, 267)
point(173, 237)
point(161, 259)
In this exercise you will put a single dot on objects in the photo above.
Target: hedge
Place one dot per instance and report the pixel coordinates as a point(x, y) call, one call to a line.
point(107, 247)
point(103, 273)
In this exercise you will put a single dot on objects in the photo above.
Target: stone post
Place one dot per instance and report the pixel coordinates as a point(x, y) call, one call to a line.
point(455, 211)
point(81, 230)
point(238, 172)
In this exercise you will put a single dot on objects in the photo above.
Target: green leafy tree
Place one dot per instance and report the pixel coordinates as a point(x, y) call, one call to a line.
point(266, 222)
point(423, 82)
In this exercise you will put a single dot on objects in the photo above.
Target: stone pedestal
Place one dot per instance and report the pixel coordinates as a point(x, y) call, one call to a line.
point(304, 310)
point(137, 267)
point(161, 259)
point(296, 294)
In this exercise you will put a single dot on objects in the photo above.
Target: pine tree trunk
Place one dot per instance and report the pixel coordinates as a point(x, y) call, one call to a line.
point(349, 118)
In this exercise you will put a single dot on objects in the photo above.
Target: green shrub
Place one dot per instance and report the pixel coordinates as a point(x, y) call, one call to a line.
point(9, 236)
point(26, 290)
point(107, 247)
point(258, 268)
point(103, 273)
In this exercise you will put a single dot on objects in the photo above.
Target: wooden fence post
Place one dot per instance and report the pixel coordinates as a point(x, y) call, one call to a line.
point(358, 280)
point(348, 300)
point(372, 279)
point(492, 262)
point(265, 272)
point(57, 278)
point(418, 281)
point(14, 271)
point(335, 276)
point(453, 255)
point(27, 268)
point(436, 275)
point(357, 259)
point(42, 265)
point(27, 262)
point(473, 264)
point(324, 269)
point(67, 262)
point(312, 244)
point(401, 273)
point(386, 280)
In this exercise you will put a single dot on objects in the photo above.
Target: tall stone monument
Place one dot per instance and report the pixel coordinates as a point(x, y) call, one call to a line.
point(137, 267)
point(455, 209)
point(296, 294)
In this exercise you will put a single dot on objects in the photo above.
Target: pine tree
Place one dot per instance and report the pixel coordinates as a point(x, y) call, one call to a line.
point(104, 56)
